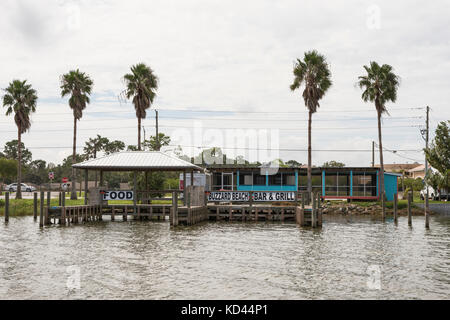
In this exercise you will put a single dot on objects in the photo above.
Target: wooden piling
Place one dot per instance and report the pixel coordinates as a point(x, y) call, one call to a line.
point(256, 214)
point(6, 206)
point(231, 212)
point(35, 203)
point(41, 210)
point(113, 211)
point(409, 208)
point(313, 211)
point(175, 208)
point(395, 207)
point(49, 195)
point(46, 220)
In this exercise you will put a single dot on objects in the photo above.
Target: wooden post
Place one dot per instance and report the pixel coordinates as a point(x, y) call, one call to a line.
point(175, 207)
point(35, 206)
point(46, 221)
point(41, 210)
point(231, 212)
point(6, 206)
point(427, 212)
point(48, 198)
point(313, 211)
point(409, 208)
point(256, 214)
point(250, 209)
point(63, 199)
point(395, 207)
point(113, 211)
point(282, 214)
point(217, 213)
point(184, 187)
point(134, 192)
point(125, 212)
point(59, 199)
point(86, 177)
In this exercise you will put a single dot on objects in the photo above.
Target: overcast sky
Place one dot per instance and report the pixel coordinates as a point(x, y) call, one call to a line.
point(233, 59)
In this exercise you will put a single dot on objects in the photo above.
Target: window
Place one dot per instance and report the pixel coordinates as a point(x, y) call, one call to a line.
point(275, 179)
point(288, 179)
point(364, 184)
point(259, 180)
point(245, 178)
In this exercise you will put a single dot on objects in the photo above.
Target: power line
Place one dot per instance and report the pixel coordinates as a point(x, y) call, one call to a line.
point(229, 111)
point(240, 128)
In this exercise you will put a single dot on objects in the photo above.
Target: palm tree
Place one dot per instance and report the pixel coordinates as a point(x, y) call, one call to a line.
point(141, 84)
point(314, 73)
point(94, 145)
point(21, 99)
point(79, 86)
point(380, 86)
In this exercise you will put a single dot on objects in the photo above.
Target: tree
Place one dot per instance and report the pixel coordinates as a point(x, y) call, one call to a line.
point(154, 144)
point(132, 148)
point(314, 73)
point(333, 164)
point(11, 151)
point(438, 154)
point(21, 99)
point(379, 86)
point(8, 169)
point(293, 163)
point(114, 146)
point(94, 145)
point(37, 172)
point(78, 85)
point(141, 85)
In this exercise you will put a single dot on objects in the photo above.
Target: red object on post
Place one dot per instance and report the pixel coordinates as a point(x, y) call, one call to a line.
point(65, 180)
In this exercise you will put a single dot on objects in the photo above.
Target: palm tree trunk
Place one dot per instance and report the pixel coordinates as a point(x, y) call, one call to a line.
point(73, 194)
point(139, 134)
point(309, 154)
point(19, 164)
point(381, 186)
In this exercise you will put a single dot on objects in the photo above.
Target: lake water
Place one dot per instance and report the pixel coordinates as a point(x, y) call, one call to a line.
point(349, 258)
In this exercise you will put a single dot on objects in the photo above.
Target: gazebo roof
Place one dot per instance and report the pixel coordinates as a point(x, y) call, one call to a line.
point(137, 161)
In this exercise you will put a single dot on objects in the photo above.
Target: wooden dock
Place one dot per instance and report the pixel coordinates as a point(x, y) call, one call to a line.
point(194, 210)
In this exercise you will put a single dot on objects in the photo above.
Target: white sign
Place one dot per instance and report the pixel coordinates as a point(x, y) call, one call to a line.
point(118, 195)
point(244, 196)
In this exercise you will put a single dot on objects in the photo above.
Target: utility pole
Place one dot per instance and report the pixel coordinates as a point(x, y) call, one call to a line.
point(157, 134)
point(373, 154)
point(427, 217)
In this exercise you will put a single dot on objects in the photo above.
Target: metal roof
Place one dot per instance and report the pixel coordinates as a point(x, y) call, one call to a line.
point(137, 160)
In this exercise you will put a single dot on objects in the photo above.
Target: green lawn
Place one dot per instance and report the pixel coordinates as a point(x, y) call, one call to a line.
point(24, 207)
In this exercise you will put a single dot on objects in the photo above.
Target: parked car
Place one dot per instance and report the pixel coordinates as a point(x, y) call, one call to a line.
point(438, 194)
point(13, 187)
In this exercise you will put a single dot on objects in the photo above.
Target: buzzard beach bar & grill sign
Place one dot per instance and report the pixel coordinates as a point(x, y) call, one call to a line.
point(244, 196)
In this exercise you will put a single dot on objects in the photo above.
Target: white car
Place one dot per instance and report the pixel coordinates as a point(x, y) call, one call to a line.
point(434, 194)
point(24, 187)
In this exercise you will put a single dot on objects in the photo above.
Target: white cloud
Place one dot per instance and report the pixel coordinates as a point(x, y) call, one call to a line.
point(227, 55)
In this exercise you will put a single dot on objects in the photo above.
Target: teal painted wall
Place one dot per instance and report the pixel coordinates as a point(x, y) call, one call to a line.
point(390, 186)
